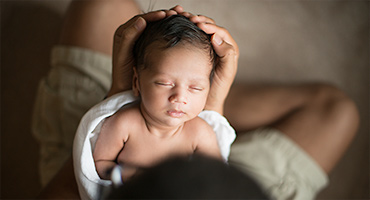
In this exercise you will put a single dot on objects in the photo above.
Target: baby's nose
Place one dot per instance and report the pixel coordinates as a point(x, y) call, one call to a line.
point(178, 97)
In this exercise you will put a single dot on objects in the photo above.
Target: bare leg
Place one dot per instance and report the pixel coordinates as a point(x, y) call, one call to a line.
point(91, 23)
point(319, 118)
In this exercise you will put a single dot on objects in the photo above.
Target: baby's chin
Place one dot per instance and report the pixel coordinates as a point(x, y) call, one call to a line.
point(175, 122)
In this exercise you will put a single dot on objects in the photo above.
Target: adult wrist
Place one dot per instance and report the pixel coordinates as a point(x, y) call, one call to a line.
point(217, 106)
point(116, 89)
point(111, 92)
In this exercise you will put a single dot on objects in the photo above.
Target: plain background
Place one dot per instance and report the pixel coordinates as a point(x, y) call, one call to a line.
point(280, 42)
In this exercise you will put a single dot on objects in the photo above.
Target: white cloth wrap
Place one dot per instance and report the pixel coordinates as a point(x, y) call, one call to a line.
point(87, 178)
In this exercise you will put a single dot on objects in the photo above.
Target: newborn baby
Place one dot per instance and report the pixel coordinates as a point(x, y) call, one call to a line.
point(175, 61)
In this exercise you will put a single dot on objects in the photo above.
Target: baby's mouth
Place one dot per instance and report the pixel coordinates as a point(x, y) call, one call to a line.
point(176, 113)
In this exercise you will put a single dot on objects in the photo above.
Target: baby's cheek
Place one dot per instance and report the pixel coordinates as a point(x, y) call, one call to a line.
point(199, 104)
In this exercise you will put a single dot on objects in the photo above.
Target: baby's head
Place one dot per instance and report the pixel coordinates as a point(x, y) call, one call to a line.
point(173, 31)
point(174, 66)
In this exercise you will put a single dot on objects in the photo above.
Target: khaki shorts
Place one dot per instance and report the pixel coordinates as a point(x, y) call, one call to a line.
point(279, 165)
point(80, 78)
point(77, 80)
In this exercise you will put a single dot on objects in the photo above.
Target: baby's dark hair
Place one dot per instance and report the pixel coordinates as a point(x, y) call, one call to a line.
point(170, 32)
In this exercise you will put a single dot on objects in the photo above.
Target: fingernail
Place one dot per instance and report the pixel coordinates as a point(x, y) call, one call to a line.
point(140, 23)
point(217, 39)
point(172, 12)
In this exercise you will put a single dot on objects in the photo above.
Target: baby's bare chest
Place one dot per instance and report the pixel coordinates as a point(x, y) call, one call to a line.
point(144, 150)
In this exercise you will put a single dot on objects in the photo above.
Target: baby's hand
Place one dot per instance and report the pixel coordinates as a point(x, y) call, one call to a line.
point(128, 172)
point(122, 173)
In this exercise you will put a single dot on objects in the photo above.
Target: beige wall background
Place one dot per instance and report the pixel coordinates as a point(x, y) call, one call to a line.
point(280, 42)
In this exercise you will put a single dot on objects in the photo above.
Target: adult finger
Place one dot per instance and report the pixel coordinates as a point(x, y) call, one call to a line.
point(170, 12)
point(126, 34)
point(148, 17)
point(153, 16)
point(201, 19)
point(178, 9)
point(130, 31)
point(193, 18)
point(187, 14)
point(223, 48)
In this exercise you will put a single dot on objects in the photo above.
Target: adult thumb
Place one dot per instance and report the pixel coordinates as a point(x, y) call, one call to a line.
point(228, 57)
point(127, 34)
point(223, 49)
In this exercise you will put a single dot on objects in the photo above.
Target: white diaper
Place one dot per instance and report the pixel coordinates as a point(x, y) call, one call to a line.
point(88, 130)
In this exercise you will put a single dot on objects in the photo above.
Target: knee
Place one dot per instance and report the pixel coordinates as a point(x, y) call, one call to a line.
point(332, 96)
point(336, 106)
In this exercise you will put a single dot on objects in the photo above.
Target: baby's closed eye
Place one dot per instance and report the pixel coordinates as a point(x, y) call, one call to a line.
point(196, 88)
point(166, 84)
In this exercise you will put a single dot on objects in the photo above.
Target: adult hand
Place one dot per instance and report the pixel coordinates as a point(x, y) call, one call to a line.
point(228, 51)
point(124, 40)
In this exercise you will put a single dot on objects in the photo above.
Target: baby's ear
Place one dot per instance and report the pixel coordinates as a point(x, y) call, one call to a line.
point(135, 83)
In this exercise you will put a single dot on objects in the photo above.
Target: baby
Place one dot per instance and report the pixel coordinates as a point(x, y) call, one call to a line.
point(175, 62)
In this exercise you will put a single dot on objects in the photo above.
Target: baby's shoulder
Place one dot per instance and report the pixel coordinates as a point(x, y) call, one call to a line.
point(125, 116)
point(198, 121)
point(198, 126)
point(127, 111)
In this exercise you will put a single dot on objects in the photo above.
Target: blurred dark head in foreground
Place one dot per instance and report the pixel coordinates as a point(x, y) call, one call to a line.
point(183, 178)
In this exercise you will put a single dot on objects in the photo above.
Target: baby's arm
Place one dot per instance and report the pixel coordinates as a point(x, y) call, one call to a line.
point(206, 140)
point(108, 145)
